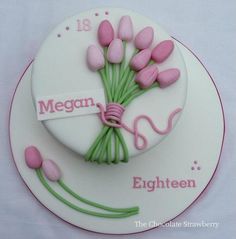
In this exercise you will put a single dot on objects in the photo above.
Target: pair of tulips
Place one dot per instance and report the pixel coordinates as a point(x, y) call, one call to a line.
point(34, 160)
point(146, 74)
point(52, 172)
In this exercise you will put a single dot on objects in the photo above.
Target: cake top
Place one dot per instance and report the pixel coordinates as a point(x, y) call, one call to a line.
point(116, 63)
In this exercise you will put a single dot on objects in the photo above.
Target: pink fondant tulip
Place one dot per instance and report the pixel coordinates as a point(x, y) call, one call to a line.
point(168, 77)
point(162, 51)
point(115, 52)
point(33, 157)
point(51, 170)
point(125, 29)
point(144, 38)
point(105, 33)
point(95, 58)
point(140, 60)
point(147, 76)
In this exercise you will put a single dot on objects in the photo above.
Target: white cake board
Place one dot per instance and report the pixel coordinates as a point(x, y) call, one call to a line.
point(198, 136)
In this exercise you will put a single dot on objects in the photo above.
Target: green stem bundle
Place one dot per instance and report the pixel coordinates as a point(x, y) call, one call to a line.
point(120, 87)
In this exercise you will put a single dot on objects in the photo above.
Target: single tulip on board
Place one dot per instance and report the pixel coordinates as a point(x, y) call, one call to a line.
point(146, 77)
point(33, 157)
point(105, 33)
point(125, 29)
point(95, 58)
point(140, 60)
point(162, 51)
point(144, 38)
point(168, 77)
point(115, 52)
point(51, 170)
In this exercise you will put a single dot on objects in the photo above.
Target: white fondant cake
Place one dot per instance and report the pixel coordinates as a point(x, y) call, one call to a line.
point(60, 68)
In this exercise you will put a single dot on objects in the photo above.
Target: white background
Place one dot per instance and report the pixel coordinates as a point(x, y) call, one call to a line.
point(208, 27)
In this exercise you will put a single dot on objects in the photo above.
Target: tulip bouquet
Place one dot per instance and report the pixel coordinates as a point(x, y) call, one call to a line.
point(123, 81)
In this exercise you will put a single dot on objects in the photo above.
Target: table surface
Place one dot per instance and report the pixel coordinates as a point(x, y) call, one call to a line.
point(208, 27)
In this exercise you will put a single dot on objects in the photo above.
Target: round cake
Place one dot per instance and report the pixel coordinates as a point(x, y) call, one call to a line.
point(109, 84)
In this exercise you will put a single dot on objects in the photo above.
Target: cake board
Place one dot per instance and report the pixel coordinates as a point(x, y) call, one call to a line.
point(190, 152)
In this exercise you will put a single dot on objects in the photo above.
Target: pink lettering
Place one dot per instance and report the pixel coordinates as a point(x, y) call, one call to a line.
point(69, 105)
point(87, 102)
point(160, 183)
point(59, 106)
point(191, 183)
point(164, 183)
point(182, 184)
point(174, 184)
point(46, 107)
point(136, 182)
point(78, 103)
point(150, 186)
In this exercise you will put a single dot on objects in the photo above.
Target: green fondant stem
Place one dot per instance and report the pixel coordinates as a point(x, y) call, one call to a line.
point(130, 81)
point(151, 62)
point(94, 204)
point(79, 209)
point(123, 79)
point(129, 92)
point(122, 66)
point(106, 85)
point(123, 145)
point(107, 137)
point(97, 150)
point(113, 85)
point(140, 92)
point(121, 83)
point(107, 72)
point(109, 150)
point(117, 148)
point(99, 137)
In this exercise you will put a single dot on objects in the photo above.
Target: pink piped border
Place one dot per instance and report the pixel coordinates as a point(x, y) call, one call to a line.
point(197, 198)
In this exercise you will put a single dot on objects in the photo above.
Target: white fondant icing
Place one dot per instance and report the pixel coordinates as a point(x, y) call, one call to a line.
point(60, 67)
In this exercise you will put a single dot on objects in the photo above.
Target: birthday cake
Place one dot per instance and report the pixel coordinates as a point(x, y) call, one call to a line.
point(99, 124)
point(109, 84)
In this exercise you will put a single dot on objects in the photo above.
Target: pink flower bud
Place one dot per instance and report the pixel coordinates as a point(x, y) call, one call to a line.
point(125, 29)
point(168, 77)
point(105, 33)
point(147, 76)
point(144, 38)
point(115, 52)
point(140, 60)
point(51, 170)
point(33, 157)
point(162, 51)
point(95, 58)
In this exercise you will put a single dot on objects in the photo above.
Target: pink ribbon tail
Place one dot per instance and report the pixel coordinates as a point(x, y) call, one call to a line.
point(137, 135)
point(114, 113)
